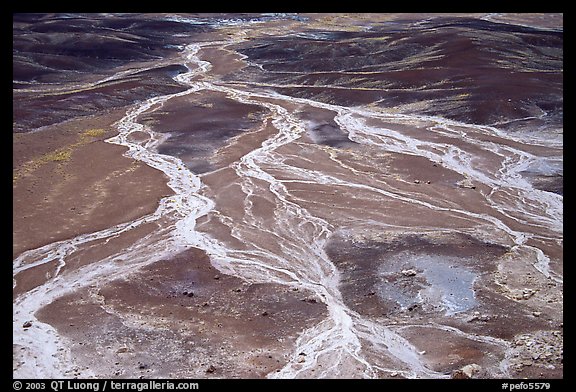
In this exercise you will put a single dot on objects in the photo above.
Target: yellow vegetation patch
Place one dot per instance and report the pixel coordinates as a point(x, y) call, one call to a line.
point(57, 156)
point(94, 133)
point(60, 155)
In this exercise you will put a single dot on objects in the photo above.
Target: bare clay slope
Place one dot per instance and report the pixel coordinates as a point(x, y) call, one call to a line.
point(380, 198)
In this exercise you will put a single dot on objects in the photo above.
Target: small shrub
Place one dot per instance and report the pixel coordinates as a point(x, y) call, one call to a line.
point(94, 132)
point(58, 156)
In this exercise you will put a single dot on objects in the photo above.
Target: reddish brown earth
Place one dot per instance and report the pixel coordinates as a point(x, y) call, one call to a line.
point(182, 318)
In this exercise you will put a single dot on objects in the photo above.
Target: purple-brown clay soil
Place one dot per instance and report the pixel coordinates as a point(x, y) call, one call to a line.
point(288, 196)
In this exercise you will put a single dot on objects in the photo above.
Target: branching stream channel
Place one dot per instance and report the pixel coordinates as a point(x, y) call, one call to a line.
point(302, 201)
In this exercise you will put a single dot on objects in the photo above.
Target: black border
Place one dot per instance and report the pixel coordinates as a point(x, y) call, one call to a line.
point(308, 6)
